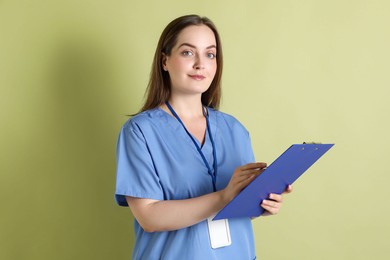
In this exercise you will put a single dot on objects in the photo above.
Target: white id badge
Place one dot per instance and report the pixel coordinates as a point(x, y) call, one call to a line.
point(219, 232)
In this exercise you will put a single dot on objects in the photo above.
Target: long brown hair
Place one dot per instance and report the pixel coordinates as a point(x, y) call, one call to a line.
point(159, 87)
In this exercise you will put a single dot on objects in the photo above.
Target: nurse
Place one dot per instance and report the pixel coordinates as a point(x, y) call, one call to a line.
point(180, 160)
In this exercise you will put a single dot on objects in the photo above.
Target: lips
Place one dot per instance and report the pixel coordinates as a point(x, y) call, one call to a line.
point(197, 77)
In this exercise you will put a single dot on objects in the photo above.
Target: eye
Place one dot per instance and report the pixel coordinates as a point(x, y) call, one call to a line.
point(187, 53)
point(211, 55)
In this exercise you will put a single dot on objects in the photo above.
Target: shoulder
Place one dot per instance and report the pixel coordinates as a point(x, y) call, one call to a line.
point(228, 120)
point(145, 121)
point(145, 118)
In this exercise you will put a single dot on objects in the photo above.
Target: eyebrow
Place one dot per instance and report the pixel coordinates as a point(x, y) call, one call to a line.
point(193, 46)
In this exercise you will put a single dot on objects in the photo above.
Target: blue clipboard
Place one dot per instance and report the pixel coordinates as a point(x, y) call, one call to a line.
point(285, 170)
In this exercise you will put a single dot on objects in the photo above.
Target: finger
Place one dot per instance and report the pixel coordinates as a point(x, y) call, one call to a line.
point(240, 177)
point(271, 203)
point(245, 180)
point(270, 211)
point(276, 197)
point(248, 175)
point(270, 206)
point(250, 172)
point(253, 166)
point(289, 189)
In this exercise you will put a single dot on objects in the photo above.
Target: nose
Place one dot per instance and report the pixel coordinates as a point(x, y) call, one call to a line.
point(199, 63)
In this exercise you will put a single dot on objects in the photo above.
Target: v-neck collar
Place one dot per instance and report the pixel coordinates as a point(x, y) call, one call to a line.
point(177, 127)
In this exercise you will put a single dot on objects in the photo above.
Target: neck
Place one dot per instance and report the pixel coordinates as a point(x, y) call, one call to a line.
point(187, 107)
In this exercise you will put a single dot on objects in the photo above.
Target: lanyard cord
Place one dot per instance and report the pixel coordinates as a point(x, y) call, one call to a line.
point(215, 163)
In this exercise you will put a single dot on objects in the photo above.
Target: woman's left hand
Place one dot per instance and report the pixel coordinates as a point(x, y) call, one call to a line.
point(273, 204)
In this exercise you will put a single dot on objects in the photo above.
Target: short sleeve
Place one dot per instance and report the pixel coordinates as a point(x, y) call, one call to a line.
point(136, 175)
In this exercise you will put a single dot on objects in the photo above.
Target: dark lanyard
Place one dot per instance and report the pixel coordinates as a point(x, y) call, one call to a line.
point(215, 164)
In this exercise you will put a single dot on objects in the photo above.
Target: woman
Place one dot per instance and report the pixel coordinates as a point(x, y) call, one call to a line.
point(180, 160)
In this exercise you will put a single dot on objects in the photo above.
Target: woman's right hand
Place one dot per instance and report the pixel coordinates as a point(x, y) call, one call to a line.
point(167, 215)
point(241, 177)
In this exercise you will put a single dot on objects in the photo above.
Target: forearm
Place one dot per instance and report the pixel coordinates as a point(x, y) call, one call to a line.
point(167, 215)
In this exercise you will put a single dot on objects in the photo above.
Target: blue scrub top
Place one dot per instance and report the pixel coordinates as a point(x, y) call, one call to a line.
point(156, 159)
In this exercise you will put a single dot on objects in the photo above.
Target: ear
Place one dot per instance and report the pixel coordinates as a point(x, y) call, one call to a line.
point(164, 61)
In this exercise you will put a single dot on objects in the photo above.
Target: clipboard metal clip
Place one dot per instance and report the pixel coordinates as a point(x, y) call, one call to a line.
point(311, 143)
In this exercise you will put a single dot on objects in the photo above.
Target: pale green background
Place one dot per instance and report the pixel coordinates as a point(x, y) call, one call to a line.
point(294, 71)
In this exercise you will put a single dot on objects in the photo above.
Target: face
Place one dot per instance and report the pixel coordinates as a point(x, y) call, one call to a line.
point(192, 63)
